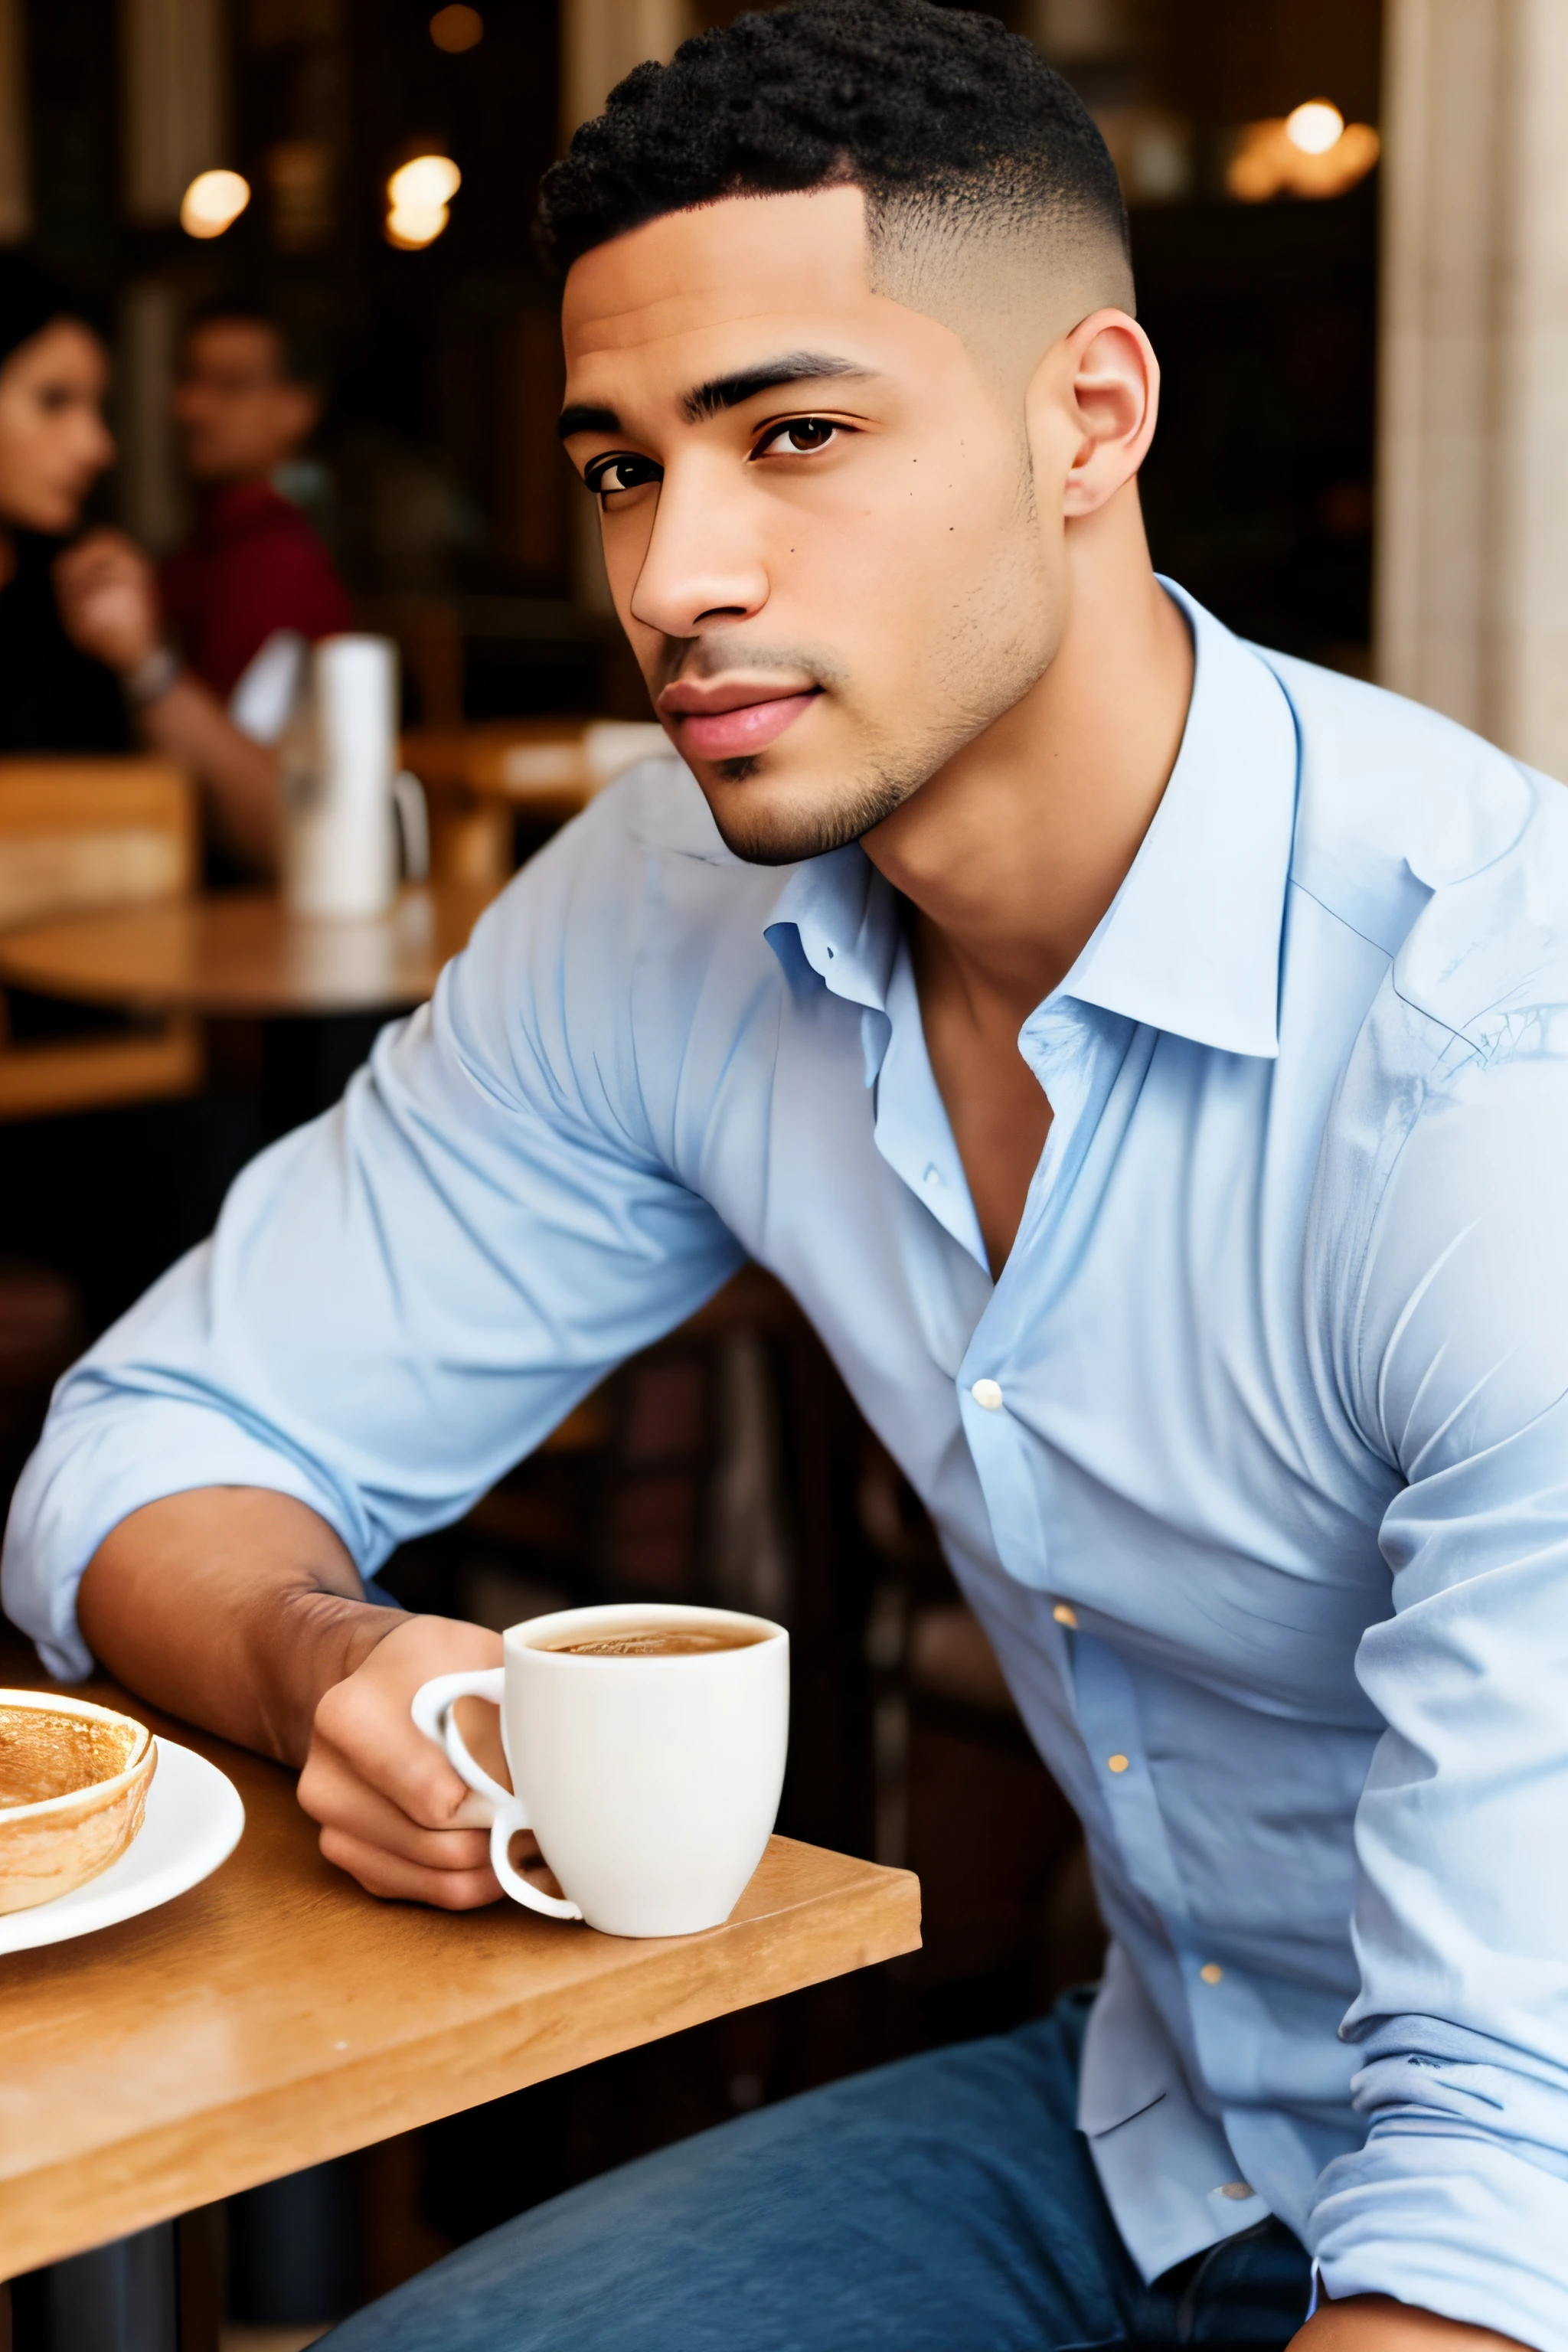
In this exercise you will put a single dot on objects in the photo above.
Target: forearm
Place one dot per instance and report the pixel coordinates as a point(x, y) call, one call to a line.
point(1376, 2322)
point(239, 778)
point(233, 1606)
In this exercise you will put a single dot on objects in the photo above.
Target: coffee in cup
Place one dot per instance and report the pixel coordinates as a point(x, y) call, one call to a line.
point(647, 1750)
point(652, 1641)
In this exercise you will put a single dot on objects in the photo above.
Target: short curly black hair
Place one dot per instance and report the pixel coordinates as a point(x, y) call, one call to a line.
point(903, 99)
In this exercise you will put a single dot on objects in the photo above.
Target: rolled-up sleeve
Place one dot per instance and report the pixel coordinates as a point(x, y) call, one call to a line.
point(404, 1298)
point(1458, 1358)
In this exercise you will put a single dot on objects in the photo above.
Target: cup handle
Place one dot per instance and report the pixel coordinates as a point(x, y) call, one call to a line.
point(434, 1714)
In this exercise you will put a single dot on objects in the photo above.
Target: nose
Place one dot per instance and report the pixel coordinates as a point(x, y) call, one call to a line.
point(702, 565)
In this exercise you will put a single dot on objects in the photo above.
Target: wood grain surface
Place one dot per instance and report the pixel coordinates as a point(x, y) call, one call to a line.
point(241, 953)
point(276, 2015)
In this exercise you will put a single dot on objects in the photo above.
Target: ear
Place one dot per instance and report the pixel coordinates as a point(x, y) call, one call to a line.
point(1097, 391)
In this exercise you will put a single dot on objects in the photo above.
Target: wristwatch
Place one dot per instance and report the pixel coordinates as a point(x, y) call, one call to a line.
point(153, 676)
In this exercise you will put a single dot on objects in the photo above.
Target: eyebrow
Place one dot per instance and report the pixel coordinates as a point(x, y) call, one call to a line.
point(577, 418)
point(722, 391)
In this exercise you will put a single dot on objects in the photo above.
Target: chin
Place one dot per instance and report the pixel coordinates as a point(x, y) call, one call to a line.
point(770, 822)
point(54, 522)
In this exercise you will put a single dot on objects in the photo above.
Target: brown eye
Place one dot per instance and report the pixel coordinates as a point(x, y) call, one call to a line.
point(627, 473)
point(809, 433)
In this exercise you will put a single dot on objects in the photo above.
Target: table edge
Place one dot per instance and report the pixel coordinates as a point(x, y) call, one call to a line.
point(146, 2177)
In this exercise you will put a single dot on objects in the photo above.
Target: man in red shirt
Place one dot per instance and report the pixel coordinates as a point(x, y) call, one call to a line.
point(241, 601)
point(253, 565)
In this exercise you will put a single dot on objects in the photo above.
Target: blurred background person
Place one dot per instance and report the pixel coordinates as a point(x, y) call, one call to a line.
point(54, 445)
point(210, 651)
point(254, 583)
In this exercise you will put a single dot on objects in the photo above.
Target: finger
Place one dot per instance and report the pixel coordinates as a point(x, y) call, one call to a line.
point(331, 1795)
point(378, 1745)
point(391, 1876)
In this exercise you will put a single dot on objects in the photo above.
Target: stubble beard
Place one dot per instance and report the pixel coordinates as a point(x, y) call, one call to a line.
point(979, 676)
point(763, 836)
point(766, 832)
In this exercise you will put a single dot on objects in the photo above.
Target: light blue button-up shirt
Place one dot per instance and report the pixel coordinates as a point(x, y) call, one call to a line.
point(1254, 1463)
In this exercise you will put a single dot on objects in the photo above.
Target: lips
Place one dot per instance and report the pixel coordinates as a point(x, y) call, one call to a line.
point(730, 723)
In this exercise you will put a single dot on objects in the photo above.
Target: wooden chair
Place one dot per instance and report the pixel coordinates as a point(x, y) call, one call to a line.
point(77, 835)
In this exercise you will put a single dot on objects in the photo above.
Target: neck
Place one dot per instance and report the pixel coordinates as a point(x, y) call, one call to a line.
point(1012, 852)
point(216, 485)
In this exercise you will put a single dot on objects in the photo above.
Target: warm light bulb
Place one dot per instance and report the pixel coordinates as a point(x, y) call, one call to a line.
point(1315, 127)
point(424, 185)
point(457, 28)
point(213, 202)
point(412, 227)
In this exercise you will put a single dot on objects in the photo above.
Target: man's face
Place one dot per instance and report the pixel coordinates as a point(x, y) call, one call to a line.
point(819, 517)
point(238, 413)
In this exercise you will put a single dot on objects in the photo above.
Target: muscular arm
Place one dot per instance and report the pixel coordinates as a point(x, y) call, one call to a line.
point(1376, 2322)
point(239, 1609)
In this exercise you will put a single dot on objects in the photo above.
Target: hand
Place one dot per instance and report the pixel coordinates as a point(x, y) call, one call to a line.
point(393, 1814)
point(107, 598)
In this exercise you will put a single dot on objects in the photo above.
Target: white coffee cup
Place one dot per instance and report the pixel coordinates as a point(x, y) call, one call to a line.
point(651, 1783)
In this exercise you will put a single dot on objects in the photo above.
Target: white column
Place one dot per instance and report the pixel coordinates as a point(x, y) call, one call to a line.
point(175, 102)
point(1472, 527)
point(16, 186)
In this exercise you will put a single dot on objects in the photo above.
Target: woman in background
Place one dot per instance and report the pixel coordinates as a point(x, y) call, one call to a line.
point(54, 445)
point(172, 1160)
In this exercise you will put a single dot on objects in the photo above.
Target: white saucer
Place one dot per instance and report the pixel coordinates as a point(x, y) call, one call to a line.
point(192, 1823)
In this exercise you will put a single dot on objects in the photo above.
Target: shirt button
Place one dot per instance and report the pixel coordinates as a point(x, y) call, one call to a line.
point(1117, 1763)
point(1211, 1972)
point(988, 1394)
point(1235, 2189)
point(1065, 1615)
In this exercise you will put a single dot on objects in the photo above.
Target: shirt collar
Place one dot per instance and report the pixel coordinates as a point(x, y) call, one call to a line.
point(1191, 941)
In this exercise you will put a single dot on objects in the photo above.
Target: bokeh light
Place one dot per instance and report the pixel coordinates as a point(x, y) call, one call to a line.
point(1315, 127)
point(457, 28)
point(213, 202)
point(428, 180)
point(417, 196)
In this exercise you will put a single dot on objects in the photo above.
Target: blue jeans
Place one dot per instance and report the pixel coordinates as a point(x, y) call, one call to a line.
point(945, 2204)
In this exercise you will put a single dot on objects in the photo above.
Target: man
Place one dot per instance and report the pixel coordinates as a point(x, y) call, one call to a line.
point(1142, 1058)
point(242, 601)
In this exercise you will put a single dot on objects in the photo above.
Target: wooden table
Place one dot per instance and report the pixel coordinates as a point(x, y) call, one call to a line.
point(241, 953)
point(319, 989)
point(276, 2015)
point(479, 778)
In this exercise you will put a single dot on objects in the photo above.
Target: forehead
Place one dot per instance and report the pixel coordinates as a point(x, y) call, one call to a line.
point(249, 342)
point(64, 347)
point(718, 275)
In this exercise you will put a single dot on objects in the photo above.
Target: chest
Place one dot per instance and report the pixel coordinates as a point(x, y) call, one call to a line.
point(1136, 1417)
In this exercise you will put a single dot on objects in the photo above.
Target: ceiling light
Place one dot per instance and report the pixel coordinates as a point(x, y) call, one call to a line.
point(423, 184)
point(1315, 127)
point(457, 28)
point(1269, 160)
point(412, 227)
point(213, 202)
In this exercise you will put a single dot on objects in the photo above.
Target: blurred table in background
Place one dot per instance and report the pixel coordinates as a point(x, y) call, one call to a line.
point(480, 779)
point(317, 986)
point(241, 952)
